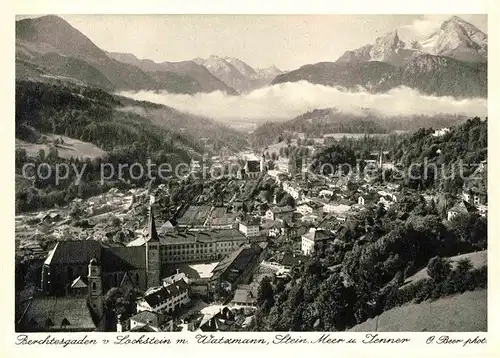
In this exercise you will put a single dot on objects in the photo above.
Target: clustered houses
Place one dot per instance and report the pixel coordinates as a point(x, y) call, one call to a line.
point(294, 190)
point(473, 200)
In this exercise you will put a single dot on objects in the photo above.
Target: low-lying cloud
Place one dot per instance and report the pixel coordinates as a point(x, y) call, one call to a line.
point(288, 100)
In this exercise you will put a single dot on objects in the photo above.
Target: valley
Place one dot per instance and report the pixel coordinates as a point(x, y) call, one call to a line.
point(204, 194)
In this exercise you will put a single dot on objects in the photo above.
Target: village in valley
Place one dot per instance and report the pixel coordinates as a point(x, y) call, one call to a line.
point(188, 191)
point(191, 254)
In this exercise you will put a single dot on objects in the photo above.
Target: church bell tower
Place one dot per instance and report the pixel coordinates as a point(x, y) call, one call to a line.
point(96, 299)
point(152, 252)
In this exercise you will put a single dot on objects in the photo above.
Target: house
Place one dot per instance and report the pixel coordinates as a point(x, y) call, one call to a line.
point(154, 321)
point(165, 299)
point(245, 295)
point(474, 196)
point(282, 213)
point(315, 240)
point(250, 228)
point(325, 193)
point(462, 208)
point(222, 321)
point(361, 200)
point(272, 228)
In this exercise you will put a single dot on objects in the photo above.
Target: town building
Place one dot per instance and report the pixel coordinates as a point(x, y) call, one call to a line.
point(57, 314)
point(315, 240)
point(237, 267)
point(304, 209)
point(251, 169)
point(282, 213)
point(250, 228)
point(462, 208)
point(165, 299)
point(245, 295)
point(474, 196)
point(147, 321)
point(293, 189)
point(196, 246)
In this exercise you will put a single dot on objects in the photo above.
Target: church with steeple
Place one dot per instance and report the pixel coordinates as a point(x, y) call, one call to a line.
point(73, 266)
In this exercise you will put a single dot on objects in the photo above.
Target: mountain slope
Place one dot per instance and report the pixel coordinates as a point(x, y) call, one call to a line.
point(200, 79)
point(111, 121)
point(458, 39)
point(442, 76)
point(433, 75)
point(349, 75)
point(41, 40)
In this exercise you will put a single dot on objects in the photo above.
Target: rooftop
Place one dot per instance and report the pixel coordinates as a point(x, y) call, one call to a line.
point(57, 314)
point(164, 293)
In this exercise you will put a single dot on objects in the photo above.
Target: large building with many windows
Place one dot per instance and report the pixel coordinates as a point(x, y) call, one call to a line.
point(196, 246)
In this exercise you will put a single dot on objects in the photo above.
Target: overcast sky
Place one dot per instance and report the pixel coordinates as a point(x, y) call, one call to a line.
point(285, 41)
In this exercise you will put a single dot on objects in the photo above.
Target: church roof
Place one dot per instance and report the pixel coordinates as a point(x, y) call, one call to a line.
point(74, 252)
point(123, 258)
point(111, 259)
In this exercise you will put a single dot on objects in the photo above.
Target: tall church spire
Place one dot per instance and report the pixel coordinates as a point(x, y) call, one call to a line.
point(152, 234)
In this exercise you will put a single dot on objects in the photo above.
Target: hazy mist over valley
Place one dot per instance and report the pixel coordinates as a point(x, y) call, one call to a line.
point(288, 100)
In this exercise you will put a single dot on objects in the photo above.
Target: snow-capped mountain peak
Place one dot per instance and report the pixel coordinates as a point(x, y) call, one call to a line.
point(455, 38)
point(458, 39)
point(237, 73)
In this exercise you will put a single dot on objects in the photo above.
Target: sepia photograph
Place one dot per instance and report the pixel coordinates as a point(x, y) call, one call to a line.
point(251, 173)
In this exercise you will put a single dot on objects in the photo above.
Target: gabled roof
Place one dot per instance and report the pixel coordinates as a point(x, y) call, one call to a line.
point(146, 317)
point(462, 208)
point(157, 297)
point(319, 235)
point(79, 282)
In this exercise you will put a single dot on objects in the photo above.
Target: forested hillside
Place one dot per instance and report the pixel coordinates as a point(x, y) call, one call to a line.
point(319, 122)
point(129, 131)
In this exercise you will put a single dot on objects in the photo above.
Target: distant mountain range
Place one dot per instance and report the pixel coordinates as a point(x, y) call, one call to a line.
point(48, 47)
point(238, 74)
point(451, 62)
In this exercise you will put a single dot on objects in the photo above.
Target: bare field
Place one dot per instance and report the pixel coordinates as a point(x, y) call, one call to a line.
point(465, 312)
point(70, 148)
